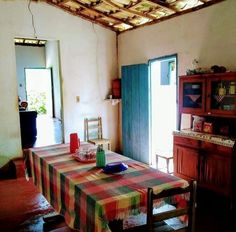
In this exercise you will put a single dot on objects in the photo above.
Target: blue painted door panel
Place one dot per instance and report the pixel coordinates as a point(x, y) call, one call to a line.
point(135, 112)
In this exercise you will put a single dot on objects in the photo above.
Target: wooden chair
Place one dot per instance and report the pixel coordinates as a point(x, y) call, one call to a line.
point(188, 209)
point(93, 132)
point(168, 218)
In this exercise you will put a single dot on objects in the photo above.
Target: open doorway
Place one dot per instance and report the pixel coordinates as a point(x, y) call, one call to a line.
point(39, 91)
point(163, 108)
point(39, 83)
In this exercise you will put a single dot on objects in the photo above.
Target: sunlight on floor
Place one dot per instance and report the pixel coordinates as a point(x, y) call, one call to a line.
point(48, 131)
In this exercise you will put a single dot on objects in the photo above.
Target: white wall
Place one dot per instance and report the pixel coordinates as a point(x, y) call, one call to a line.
point(207, 35)
point(27, 57)
point(88, 64)
point(52, 61)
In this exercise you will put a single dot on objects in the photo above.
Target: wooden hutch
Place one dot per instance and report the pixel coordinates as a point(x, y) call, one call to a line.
point(208, 158)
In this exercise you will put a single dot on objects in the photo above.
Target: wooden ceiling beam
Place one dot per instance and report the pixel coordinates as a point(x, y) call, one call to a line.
point(116, 21)
point(129, 10)
point(75, 13)
point(90, 8)
point(163, 5)
point(209, 3)
point(63, 2)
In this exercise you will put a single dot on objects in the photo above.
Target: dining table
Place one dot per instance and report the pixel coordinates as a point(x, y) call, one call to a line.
point(87, 196)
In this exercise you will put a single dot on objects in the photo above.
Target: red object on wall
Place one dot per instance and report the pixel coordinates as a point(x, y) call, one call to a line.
point(116, 88)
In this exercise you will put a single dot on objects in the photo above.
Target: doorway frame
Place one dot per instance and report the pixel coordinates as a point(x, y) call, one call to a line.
point(174, 56)
point(60, 81)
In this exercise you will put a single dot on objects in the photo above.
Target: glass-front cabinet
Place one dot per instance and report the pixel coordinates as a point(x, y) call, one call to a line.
point(221, 98)
point(192, 94)
point(208, 94)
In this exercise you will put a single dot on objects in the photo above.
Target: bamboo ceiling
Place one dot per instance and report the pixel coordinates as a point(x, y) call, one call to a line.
point(123, 15)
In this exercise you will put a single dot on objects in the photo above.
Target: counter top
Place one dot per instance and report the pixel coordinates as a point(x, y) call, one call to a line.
point(216, 139)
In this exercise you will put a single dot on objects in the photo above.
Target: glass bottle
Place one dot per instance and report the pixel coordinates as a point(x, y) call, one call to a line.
point(221, 90)
point(232, 87)
point(100, 157)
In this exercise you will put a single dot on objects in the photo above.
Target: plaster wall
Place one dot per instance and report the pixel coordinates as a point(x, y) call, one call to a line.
point(52, 61)
point(207, 35)
point(88, 65)
point(27, 57)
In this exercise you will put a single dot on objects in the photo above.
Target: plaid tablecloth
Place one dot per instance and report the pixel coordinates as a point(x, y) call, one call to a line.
point(86, 196)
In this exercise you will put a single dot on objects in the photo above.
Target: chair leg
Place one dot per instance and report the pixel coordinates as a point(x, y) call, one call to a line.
point(167, 165)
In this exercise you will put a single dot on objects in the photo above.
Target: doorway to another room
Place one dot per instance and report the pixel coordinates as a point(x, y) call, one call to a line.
point(39, 94)
point(39, 84)
point(163, 110)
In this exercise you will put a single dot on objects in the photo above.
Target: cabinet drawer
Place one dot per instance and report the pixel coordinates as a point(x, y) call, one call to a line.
point(218, 149)
point(187, 142)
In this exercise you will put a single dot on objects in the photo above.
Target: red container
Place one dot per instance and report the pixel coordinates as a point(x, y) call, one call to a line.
point(74, 142)
point(208, 127)
point(116, 88)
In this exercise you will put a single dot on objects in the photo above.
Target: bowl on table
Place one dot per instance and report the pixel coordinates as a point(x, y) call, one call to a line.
point(85, 155)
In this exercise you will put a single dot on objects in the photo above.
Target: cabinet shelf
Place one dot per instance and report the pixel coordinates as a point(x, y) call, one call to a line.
point(199, 94)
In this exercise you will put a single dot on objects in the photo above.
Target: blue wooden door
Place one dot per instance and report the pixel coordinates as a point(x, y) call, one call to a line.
point(135, 112)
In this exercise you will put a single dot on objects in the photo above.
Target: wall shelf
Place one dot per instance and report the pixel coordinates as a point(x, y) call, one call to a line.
point(114, 101)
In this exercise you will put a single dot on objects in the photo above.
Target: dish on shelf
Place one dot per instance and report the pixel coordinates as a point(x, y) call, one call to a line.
point(115, 167)
point(194, 97)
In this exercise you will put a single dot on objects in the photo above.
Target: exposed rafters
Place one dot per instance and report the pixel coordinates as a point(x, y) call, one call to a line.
point(163, 5)
point(123, 15)
point(128, 10)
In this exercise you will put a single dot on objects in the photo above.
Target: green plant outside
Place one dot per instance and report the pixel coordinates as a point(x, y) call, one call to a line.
point(37, 102)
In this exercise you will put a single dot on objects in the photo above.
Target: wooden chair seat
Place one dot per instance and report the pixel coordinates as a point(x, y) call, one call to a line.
point(138, 222)
point(167, 218)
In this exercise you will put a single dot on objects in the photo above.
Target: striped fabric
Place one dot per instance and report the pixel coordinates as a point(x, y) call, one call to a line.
point(86, 196)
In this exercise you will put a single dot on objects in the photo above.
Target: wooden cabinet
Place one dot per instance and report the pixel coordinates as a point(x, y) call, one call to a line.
point(202, 156)
point(186, 158)
point(208, 94)
point(186, 162)
point(208, 163)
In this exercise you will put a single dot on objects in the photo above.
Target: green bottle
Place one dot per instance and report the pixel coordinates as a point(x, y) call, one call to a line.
point(100, 157)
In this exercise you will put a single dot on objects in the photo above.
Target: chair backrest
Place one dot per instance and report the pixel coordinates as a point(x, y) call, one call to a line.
point(186, 209)
point(93, 128)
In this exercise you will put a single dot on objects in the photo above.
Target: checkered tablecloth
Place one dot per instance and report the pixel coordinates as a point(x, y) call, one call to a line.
point(86, 196)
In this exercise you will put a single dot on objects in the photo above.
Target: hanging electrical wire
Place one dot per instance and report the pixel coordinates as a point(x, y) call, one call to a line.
point(32, 18)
